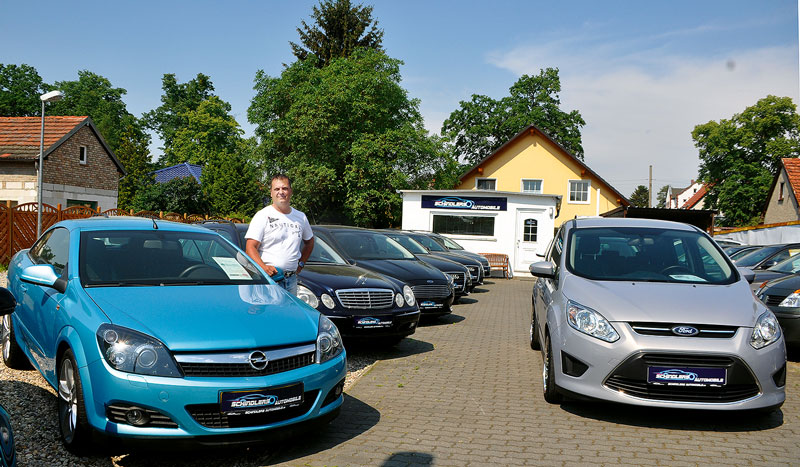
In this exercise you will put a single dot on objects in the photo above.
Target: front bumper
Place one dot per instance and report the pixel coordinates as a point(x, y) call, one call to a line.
point(354, 325)
point(192, 403)
point(617, 372)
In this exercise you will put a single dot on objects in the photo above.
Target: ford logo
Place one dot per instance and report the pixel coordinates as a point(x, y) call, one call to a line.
point(686, 331)
point(258, 360)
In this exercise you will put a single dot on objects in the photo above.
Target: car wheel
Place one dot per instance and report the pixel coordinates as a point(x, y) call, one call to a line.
point(12, 353)
point(8, 455)
point(549, 390)
point(72, 421)
point(534, 338)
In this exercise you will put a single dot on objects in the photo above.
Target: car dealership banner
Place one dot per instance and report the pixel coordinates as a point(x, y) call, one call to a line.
point(465, 203)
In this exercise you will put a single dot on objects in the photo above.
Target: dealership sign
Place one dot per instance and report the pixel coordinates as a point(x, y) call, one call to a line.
point(464, 203)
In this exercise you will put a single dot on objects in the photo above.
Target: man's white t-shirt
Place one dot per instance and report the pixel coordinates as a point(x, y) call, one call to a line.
point(281, 236)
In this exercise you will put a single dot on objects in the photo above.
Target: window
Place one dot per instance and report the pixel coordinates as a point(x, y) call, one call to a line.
point(780, 195)
point(486, 183)
point(531, 186)
point(53, 249)
point(80, 202)
point(82, 155)
point(579, 191)
point(463, 225)
point(530, 230)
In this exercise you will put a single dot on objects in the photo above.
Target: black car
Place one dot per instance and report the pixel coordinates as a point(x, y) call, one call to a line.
point(768, 256)
point(782, 296)
point(375, 251)
point(230, 230)
point(736, 252)
point(462, 282)
point(450, 245)
point(474, 266)
point(8, 455)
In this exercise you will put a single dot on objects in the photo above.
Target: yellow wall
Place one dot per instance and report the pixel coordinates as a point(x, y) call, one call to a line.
point(535, 157)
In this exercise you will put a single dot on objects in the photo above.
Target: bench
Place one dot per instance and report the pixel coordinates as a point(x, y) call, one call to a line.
point(498, 261)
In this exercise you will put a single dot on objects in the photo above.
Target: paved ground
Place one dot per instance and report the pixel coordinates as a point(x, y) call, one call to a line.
point(466, 390)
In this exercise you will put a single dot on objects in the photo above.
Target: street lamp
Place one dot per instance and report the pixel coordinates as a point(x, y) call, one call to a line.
point(51, 96)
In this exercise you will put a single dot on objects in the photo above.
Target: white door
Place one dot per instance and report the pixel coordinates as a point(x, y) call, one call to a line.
point(529, 225)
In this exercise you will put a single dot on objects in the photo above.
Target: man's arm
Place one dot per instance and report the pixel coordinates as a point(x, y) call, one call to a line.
point(251, 248)
point(308, 247)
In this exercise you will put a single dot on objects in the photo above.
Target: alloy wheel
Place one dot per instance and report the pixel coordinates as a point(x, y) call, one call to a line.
point(68, 413)
point(5, 337)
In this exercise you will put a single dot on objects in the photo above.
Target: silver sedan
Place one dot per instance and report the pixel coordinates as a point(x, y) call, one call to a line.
point(652, 313)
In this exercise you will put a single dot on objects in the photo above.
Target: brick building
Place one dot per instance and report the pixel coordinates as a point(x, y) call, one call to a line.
point(79, 167)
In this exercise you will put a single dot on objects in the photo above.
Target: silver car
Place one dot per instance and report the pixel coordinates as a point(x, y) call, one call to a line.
point(649, 312)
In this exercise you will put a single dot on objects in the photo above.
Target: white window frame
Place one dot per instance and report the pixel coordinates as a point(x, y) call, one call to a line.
point(83, 151)
point(482, 179)
point(588, 191)
point(522, 185)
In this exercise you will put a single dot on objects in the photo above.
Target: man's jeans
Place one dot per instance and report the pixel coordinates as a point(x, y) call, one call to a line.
point(290, 284)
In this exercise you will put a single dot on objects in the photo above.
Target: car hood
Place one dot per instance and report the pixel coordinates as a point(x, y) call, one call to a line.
point(442, 264)
point(343, 276)
point(412, 271)
point(732, 305)
point(766, 275)
point(210, 317)
point(783, 286)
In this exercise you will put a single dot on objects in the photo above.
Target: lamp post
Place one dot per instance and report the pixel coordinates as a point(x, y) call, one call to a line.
point(51, 96)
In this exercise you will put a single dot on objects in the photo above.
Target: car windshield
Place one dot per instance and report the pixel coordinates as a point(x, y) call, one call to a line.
point(755, 257)
point(161, 257)
point(370, 245)
point(643, 254)
point(410, 244)
point(736, 254)
point(429, 243)
point(451, 244)
point(790, 265)
point(323, 253)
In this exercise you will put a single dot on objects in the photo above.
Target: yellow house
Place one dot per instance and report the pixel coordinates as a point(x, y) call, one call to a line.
point(531, 162)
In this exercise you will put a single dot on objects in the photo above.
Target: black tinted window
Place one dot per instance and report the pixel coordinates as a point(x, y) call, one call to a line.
point(53, 249)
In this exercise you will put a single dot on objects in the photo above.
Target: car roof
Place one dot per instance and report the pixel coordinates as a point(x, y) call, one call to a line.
point(125, 223)
point(589, 222)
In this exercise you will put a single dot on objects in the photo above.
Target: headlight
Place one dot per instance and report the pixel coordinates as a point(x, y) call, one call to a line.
point(329, 342)
point(766, 331)
point(398, 299)
point(792, 301)
point(408, 294)
point(306, 295)
point(590, 322)
point(133, 352)
point(327, 300)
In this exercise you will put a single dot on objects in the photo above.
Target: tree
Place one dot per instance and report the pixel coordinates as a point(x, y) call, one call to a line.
point(181, 195)
point(339, 29)
point(209, 130)
point(20, 88)
point(134, 155)
point(232, 184)
point(740, 157)
point(483, 124)
point(348, 136)
point(640, 197)
point(661, 197)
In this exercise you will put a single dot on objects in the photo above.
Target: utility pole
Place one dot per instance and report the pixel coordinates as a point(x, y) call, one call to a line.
point(650, 189)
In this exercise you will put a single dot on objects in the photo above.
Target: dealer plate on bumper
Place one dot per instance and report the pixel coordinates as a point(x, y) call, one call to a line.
point(261, 400)
point(698, 377)
point(372, 323)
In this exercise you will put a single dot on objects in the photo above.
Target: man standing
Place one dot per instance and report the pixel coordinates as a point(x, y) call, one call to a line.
point(280, 235)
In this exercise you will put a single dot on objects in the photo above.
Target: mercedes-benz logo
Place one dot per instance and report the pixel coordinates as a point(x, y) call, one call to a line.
point(258, 360)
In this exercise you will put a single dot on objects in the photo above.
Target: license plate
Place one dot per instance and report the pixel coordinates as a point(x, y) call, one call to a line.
point(430, 304)
point(261, 400)
point(371, 323)
point(671, 376)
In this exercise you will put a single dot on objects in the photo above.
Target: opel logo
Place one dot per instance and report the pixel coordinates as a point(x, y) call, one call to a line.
point(258, 360)
point(686, 331)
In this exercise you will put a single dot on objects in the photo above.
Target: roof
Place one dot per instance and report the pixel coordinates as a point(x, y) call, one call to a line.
point(20, 137)
point(699, 194)
point(792, 167)
point(532, 130)
point(588, 222)
point(179, 171)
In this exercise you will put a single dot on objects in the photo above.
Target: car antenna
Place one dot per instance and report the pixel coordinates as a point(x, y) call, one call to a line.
point(155, 226)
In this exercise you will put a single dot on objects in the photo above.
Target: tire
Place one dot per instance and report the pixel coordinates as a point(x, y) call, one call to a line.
point(72, 421)
point(549, 389)
point(534, 338)
point(13, 357)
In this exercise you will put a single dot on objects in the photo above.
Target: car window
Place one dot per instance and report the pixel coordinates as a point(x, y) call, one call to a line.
point(429, 243)
point(410, 244)
point(658, 255)
point(783, 255)
point(161, 257)
point(323, 253)
point(369, 245)
point(450, 243)
point(790, 265)
point(756, 257)
point(52, 249)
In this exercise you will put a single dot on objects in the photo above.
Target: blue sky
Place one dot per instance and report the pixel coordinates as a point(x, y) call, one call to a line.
point(642, 73)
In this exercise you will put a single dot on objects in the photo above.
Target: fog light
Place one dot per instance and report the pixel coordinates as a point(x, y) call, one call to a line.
point(136, 417)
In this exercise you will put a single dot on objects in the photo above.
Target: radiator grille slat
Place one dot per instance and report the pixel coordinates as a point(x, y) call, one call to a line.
point(366, 299)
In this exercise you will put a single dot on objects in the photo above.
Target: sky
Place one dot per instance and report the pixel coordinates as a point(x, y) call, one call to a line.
point(642, 74)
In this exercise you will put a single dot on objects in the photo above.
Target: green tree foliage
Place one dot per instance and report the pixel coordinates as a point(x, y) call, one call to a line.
point(741, 156)
point(661, 197)
point(349, 137)
point(209, 130)
point(93, 95)
point(181, 195)
point(483, 124)
point(134, 155)
point(178, 101)
point(640, 197)
point(339, 28)
point(232, 184)
point(20, 88)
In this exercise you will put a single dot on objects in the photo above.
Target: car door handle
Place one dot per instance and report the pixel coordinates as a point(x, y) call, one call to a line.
point(23, 288)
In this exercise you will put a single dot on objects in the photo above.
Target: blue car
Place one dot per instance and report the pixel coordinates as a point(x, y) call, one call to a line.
point(153, 329)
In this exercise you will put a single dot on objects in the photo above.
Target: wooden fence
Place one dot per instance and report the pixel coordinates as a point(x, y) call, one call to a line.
point(18, 223)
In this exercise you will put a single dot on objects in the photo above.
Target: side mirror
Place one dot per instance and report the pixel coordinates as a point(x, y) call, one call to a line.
point(7, 302)
point(543, 269)
point(747, 273)
point(44, 275)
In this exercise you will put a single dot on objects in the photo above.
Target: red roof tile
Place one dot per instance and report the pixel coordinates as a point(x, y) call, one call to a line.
point(699, 194)
point(792, 166)
point(20, 136)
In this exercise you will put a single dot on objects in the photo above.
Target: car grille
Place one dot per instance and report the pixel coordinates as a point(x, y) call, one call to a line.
point(369, 299)
point(665, 329)
point(459, 280)
point(631, 378)
point(237, 364)
point(473, 272)
point(431, 291)
point(774, 300)
point(116, 414)
point(210, 416)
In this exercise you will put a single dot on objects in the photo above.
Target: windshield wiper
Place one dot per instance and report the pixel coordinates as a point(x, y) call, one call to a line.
point(118, 284)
